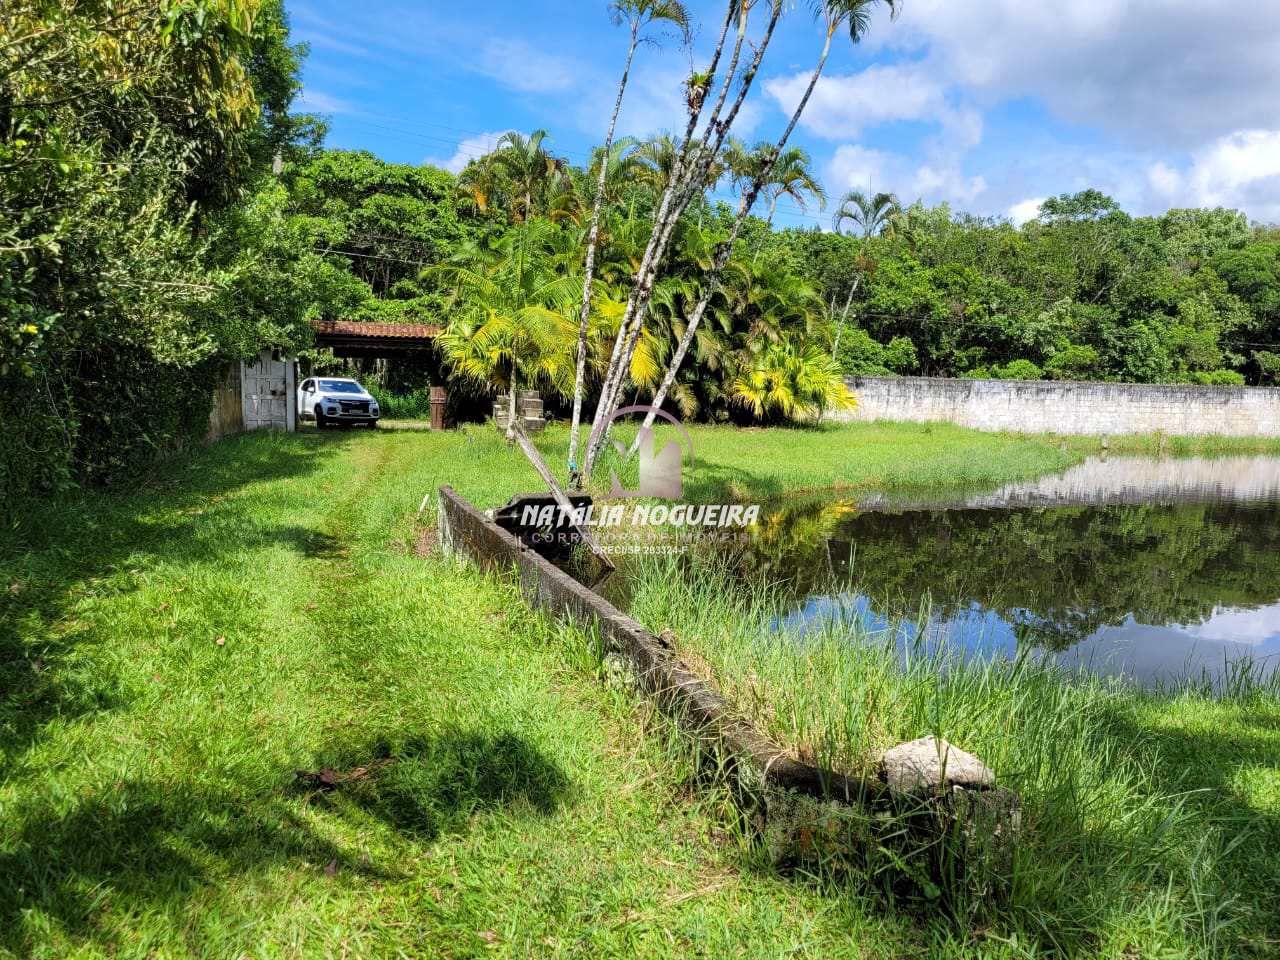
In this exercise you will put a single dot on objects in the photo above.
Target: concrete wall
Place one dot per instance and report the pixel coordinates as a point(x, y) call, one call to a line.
point(695, 704)
point(1115, 480)
point(1079, 408)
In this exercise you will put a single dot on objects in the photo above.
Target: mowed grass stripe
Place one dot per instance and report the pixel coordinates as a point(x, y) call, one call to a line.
point(530, 814)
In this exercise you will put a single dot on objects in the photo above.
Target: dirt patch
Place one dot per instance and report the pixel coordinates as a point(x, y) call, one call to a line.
point(428, 544)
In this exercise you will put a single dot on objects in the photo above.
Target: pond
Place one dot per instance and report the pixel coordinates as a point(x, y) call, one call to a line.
point(1154, 569)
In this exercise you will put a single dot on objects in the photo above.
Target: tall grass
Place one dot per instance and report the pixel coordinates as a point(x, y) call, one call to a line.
point(1119, 851)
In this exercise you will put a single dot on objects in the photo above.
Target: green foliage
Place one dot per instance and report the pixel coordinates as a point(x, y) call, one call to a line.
point(514, 324)
point(792, 382)
point(1269, 363)
point(410, 405)
point(860, 355)
point(129, 139)
point(1083, 292)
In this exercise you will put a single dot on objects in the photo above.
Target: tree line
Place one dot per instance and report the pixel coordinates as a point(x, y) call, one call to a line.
point(163, 213)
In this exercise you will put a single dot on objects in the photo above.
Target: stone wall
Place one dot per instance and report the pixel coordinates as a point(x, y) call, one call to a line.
point(1073, 408)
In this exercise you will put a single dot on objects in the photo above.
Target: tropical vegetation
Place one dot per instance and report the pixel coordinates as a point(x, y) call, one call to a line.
point(140, 244)
point(143, 251)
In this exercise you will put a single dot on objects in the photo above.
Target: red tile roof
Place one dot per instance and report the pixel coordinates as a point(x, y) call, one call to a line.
point(352, 328)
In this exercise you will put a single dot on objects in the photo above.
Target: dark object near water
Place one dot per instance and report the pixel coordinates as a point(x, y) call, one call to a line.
point(556, 541)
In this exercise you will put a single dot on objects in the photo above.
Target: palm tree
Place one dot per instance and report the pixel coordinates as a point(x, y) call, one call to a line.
point(529, 166)
point(656, 158)
point(638, 14)
point(618, 169)
point(871, 213)
point(855, 15)
point(788, 176)
point(513, 322)
point(791, 177)
point(792, 380)
point(481, 182)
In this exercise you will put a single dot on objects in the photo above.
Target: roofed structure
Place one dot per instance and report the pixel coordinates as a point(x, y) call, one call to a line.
point(351, 338)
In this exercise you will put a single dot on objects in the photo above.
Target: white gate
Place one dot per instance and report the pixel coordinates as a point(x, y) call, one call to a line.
point(267, 390)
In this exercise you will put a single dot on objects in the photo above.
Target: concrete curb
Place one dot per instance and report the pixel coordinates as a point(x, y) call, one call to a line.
point(696, 706)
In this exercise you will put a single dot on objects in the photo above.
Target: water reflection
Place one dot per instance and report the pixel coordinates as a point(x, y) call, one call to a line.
point(1152, 569)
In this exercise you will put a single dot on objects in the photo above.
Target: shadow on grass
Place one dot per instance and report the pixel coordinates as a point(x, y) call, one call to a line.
point(58, 552)
point(1201, 767)
point(426, 786)
point(140, 848)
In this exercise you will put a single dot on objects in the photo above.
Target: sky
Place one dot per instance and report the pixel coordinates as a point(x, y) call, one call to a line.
point(989, 105)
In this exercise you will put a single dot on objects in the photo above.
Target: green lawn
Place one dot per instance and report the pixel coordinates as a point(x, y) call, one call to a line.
point(171, 655)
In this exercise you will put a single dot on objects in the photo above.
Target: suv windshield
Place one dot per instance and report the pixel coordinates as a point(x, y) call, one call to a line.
point(340, 386)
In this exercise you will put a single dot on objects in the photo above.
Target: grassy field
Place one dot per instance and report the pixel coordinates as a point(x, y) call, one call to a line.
point(1150, 821)
point(172, 655)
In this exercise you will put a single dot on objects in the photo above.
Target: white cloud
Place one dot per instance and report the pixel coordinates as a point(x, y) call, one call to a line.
point(938, 179)
point(1241, 626)
point(1172, 73)
point(858, 168)
point(1239, 170)
point(470, 149)
point(526, 68)
point(843, 106)
point(1020, 213)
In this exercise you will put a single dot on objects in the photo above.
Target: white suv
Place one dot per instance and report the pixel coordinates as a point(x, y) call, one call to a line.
point(336, 400)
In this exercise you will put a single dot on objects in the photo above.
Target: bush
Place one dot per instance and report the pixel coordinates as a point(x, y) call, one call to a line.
point(1219, 378)
point(1014, 370)
point(1019, 370)
point(414, 405)
point(1074, 362)
point(862, 356)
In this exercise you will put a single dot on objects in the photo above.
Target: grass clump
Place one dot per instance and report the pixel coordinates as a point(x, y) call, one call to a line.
point(1150, 821)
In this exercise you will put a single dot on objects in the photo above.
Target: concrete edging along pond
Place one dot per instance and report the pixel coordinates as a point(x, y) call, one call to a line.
point(696, 706)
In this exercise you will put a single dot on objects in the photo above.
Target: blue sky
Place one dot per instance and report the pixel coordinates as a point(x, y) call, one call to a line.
point(990, 105)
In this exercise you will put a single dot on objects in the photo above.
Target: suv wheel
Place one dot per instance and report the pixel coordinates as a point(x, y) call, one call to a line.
point(321, 420)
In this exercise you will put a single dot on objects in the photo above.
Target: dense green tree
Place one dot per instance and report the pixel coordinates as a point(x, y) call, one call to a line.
point(127, 134)
point(515, 319)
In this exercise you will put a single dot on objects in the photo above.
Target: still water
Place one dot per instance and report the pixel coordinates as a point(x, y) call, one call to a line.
point(1154, 569)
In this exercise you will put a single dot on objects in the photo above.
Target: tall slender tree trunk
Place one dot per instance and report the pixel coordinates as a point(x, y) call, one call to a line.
point(722, 255)
point(682, 163)
point(512, 412)
point(584, 317)
point(844, 316)
point(691, 180)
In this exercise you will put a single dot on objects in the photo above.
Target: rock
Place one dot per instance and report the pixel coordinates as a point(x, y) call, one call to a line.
point(931, 765)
